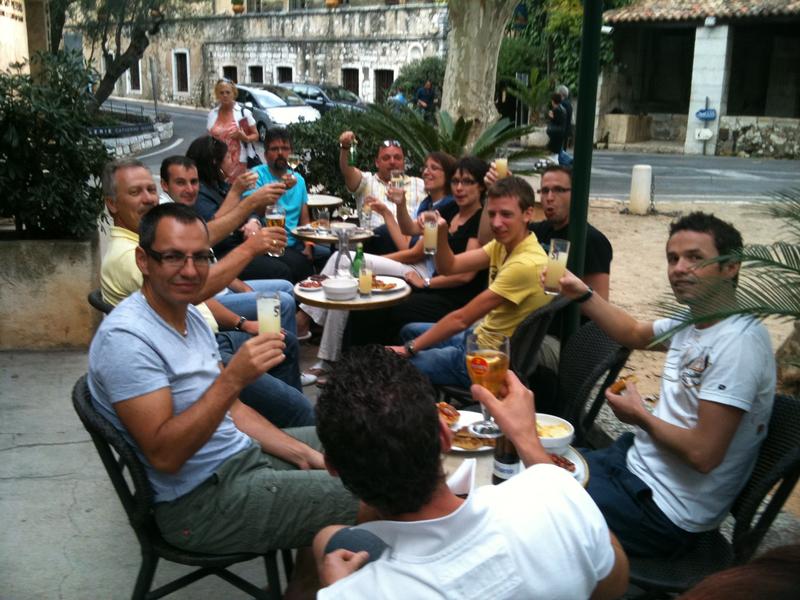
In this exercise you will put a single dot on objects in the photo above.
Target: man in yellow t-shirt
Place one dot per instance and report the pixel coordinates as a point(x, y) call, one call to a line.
point(514, 259)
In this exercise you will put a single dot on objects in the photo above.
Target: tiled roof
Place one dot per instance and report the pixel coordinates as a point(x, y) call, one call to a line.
point(693, 10)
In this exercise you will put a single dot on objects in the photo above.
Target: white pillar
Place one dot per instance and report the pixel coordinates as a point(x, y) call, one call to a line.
point(710, 72)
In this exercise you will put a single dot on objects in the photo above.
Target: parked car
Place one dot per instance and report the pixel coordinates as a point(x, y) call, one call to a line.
point(273, 105)
point(325, 97)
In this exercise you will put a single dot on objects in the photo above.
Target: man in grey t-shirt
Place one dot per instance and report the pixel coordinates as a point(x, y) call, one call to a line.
point(225, 479)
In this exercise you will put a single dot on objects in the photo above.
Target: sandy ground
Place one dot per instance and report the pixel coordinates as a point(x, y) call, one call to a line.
point(638, 271)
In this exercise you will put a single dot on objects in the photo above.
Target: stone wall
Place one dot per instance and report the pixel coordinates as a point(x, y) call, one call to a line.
point(315, 43)
point(759, 136)
point(668, 127)
point(123, 146)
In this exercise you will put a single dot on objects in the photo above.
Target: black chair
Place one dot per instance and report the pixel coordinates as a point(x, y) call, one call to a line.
point(778, 468)
point(96, 300)
point(525, 343)
point(136, 498)
point(589, 357)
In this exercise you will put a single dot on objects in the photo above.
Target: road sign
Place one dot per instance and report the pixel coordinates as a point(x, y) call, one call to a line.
point(706, 114)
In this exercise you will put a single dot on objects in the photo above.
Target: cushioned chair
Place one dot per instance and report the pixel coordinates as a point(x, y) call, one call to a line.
point(96, 300)
point(136, 497)
point(588, 358)
point(524, 344)
point(776, 471)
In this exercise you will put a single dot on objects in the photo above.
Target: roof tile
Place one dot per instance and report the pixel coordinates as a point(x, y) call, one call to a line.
point(691, 10)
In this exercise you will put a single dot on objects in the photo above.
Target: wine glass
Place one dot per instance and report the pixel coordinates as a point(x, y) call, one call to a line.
point(487, 356)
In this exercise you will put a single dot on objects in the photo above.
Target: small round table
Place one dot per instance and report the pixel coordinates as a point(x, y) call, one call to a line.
point(376, 300)
point(323, 201)
point(308, 234)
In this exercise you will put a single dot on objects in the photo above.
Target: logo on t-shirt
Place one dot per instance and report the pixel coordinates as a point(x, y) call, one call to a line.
point(692, 370)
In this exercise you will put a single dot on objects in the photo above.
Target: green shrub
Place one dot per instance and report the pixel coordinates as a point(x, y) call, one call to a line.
point(414, 74)
point(49, 164)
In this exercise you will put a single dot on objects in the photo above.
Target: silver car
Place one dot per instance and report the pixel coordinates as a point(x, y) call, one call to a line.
point(273, 105)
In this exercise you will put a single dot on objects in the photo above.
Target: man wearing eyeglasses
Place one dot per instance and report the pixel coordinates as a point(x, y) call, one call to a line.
point(225, 479)
point(362, 184)
point(130, 194)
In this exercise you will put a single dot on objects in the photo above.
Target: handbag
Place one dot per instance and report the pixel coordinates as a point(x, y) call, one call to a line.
point(253, 161)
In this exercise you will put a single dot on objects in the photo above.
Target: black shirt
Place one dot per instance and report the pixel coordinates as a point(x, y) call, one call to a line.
point(598, 248)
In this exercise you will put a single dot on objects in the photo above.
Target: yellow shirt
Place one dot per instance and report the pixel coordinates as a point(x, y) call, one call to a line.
point(515, 277)
point(120, 277)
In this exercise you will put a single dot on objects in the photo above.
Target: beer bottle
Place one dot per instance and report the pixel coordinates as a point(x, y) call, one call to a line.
point(352, 156)
point(358, 261)
point(506, 460)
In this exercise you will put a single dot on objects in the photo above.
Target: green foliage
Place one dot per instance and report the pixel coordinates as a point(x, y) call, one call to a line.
point(414, 74)
point(49, 164)
point(419, 138)
point(769, 278)
point(517, 55)
point(535, 95)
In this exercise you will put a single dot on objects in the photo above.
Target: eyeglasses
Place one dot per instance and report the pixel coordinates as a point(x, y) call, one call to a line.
point(555, 189)
point(456, 181)
point(391, 144)
point(176, 260)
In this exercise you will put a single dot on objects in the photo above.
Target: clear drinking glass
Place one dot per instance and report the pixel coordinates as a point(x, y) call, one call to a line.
point(275, 217)
point(430, 232)
point(487, 358)
point(268, 308)
point(556, 265)
point(323, 219)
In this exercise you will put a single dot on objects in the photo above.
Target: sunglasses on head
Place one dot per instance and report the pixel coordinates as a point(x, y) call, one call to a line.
point(391, 144)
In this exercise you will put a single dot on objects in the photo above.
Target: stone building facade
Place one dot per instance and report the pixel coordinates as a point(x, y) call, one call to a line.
point(23, 30)
point(360, 47)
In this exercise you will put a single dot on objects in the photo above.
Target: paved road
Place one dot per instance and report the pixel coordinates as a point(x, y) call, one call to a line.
point(677, 177)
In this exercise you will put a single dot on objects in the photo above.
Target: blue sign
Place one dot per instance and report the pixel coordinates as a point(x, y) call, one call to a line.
point(706, 114)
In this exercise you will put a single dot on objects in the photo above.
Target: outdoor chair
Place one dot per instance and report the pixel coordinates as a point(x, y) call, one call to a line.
point(777, 470)
point(588, 357)
point(525, 344)
point(136, 495)
point(96, 300)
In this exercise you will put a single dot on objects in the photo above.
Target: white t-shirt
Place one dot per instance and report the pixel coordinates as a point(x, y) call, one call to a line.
point(371, 185)
point(538, 535)
point(732, 363)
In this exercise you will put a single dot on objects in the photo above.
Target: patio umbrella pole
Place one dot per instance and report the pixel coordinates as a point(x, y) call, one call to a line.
point(584, 134)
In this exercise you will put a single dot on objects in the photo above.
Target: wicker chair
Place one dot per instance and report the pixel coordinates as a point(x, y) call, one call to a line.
point(524, 343)
point(136, 498)
point(778, 468)
point(96, 300)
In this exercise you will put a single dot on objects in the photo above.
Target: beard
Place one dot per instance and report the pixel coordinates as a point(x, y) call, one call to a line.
point(280, 164)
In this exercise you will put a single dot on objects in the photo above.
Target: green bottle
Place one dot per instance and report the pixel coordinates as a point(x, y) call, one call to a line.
point(358, 261)
point(352, 157)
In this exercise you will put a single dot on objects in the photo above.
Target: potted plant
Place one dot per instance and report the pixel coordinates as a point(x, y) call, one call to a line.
point(49, 173)
point(237, 6)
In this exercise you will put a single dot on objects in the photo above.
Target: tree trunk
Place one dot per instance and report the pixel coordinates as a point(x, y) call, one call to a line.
point(473, 44)
point(135, 50)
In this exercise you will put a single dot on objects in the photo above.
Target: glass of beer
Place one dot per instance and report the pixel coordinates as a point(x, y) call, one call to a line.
point(275, 217)
point(268, 307)
point(397, 179)
point(501, 166)
point(430, 232)
point(487, 364)
point(556, 265)
point(365, 280)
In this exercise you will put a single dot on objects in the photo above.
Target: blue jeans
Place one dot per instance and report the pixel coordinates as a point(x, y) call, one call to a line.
point(244, 303)
point(627, 505)
point(277, 395)
point(443, 363)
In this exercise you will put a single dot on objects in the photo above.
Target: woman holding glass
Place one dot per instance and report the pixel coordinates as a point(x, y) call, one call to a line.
point(233, 124)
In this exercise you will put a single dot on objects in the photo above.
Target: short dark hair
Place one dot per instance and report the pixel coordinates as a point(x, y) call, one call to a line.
point(558, 168)
point(727, 238)
point(208, 153)
point(378, 422)
point(149, 223)
point(177, 159)
point(477, 167)
point(448, 164)
point(276, 133)
point(513, 186)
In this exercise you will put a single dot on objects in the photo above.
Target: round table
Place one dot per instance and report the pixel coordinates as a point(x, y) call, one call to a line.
point(376, 300)
point(322, 201)
point(319, 237)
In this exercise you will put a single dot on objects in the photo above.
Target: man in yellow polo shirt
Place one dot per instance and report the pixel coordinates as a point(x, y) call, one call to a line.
point(514, 259)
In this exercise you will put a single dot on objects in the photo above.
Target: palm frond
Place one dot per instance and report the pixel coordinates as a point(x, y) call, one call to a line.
point(787, 208)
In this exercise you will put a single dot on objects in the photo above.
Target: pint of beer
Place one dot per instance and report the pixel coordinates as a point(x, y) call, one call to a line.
point(276, 217)
point(556, 265)
point(430, 233)
point(501, 166)
point(268, 307)
point(487, 357)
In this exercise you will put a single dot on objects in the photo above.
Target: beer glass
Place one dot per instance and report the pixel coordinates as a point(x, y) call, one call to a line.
point(430, 232)
point(397, 179)
point(501, 166)
point(323, 219)
point(268, 307)
point(275, 217)
point(556, 265)
point(487, 358)
point(365, 216)
point(365, 280)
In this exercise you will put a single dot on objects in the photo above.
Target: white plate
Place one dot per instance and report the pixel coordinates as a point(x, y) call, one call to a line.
point(580, 473)
point(401, 284)
point(309, 289)
point(323, 200)
point(467, 417)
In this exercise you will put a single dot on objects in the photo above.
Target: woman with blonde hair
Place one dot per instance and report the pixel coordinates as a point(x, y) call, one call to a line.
point(234, 125)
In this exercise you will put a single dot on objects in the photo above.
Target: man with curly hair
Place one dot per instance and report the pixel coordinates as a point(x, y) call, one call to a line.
point(378, 422)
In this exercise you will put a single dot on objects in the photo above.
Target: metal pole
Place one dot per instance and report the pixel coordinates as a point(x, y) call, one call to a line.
point(582, 167)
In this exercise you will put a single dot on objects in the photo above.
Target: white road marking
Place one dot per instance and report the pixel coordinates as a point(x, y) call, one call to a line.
point(177, 142)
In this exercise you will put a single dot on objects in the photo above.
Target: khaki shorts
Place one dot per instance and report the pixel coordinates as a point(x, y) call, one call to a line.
point(256, 502)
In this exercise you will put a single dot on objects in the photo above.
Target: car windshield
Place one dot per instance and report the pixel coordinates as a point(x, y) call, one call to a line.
point(338, 94)
point(287, 96)
point(276, 97)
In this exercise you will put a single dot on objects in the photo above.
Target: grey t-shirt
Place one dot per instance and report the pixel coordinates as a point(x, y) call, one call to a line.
point(135, 352)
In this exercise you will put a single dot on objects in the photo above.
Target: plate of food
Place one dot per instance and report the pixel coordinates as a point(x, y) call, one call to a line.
point(463, 439)
point(385, 284)
point(573, 461)
point(310, 285)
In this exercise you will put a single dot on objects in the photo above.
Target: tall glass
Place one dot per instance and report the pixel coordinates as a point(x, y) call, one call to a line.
point(268, 307)
point(365, 280)
point(323, 219)
point(397, 179)
point(501, 166)
point(556, 265)
point(365, 217)
point(430, 232)
point(276, 217)
point(487, 365)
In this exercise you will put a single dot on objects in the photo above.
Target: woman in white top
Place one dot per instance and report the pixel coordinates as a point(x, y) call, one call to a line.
point(233, 124)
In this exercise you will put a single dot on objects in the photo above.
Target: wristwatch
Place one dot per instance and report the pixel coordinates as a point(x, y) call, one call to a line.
point(409, 346)
point(238, 326)
point(427, 281)
point(588, 294)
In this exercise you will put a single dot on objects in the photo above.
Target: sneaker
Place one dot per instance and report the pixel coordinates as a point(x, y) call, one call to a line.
point(307, 379)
